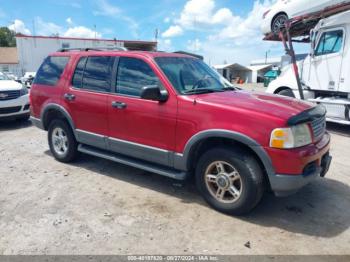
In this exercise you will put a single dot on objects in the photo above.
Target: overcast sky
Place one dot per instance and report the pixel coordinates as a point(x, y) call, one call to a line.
point(221, 30)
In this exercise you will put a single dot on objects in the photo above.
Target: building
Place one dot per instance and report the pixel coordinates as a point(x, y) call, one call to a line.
point(258, 72)
point(275, 61)
point(32, 50)
point(9, 60)
point(234, 71)
point(280, 61)
point(247, 74)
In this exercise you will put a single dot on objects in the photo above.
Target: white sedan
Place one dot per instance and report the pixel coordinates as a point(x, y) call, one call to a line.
point(275, 17)
point(14, 99)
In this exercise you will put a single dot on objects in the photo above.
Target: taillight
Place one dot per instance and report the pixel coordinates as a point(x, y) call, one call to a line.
point(266, 13)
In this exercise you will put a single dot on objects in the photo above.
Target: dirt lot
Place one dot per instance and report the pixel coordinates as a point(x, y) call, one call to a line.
point(99, 207)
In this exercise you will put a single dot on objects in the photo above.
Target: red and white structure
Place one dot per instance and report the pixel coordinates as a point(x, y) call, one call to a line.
point(32, 50)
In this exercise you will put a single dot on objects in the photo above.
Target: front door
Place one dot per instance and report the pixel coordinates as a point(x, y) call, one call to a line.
point(141, 128)
point(326, 63)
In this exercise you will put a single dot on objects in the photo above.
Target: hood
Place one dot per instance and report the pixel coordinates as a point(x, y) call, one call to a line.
point(8, 85)
point(278, 106)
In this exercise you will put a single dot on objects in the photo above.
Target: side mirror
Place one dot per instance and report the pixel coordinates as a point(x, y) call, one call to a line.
point(154, 93)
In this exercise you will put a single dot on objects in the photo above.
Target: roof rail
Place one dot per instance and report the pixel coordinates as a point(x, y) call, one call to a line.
point(189, 54)
point(116, 48)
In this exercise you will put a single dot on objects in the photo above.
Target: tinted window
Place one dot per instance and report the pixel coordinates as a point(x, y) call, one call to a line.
point(78, 73)
point(133, 75)
point(330, 42)
point(188, 74)
point(50, 71)
point(97, 73)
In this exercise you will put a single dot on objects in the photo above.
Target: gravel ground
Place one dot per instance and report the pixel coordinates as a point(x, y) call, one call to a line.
point(96, 206)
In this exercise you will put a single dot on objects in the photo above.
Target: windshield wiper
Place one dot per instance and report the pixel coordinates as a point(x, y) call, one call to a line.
point(202, 91)
point(230, 88)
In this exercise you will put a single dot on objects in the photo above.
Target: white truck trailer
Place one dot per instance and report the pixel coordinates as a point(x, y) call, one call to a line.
point(323, 77)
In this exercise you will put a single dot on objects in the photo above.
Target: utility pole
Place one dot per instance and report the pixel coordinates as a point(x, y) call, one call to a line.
point(34, 32)
point(268, 51)
point(156, 33)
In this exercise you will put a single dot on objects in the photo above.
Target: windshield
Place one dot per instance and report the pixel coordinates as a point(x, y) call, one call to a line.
point(192, 76)
point(3, 76)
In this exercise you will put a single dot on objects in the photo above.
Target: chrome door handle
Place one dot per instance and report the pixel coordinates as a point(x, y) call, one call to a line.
point(69, 97)
point(118, 105)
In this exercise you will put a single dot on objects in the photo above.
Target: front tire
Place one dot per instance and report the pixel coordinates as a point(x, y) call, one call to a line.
point(286, 92)
point(278, 23)
point(230, 180)
point(62, 142)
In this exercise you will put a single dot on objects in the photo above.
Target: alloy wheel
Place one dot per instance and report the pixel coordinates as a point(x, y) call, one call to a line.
point(223, 182)
point(60, 141)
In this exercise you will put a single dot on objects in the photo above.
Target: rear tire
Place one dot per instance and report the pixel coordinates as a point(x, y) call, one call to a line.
point(286, 92)
point(62, 142)
point(234, 171)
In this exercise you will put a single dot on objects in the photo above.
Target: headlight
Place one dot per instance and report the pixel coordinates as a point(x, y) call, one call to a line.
point(24, 91)
point(293, 137)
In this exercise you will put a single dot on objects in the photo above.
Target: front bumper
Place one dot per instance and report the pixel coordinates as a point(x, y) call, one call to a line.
point(310, 163)
point(15, 108)
point(284, 185)
point(265, 25)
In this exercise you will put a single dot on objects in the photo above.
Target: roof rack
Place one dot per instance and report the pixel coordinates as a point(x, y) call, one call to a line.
point(299, 27)
point(87, 49)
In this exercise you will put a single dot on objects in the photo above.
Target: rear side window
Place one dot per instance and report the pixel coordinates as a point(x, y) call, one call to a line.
point(97, 73)
point(78, 73)
point(51, 70)
point(133, 75)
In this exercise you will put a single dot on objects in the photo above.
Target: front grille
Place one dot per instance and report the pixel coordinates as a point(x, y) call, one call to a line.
point(319, 127)
point(10, 110)
point(8, 95)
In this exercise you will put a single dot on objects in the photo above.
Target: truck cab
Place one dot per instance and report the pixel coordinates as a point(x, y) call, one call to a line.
point(323, 72)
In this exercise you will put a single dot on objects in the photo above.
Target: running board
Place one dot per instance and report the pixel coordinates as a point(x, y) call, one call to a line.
point(153, 168)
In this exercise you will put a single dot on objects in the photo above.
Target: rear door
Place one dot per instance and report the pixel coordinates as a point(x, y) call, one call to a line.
point(87, 98)
point(141, 128)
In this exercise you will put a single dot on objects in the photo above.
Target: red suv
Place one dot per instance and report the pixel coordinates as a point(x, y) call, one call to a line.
point(173, 115)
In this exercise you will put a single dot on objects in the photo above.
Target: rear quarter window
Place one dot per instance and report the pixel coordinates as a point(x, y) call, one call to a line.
point(51, 70)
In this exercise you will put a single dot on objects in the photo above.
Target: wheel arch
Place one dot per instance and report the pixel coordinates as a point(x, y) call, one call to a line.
point(205, 140)
point(54, 111)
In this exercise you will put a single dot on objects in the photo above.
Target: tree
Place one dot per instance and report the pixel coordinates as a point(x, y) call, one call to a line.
point(7, 37)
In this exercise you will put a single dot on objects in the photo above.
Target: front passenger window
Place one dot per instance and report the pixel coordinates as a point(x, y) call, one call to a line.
point(133, 75)
point(330, 43)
